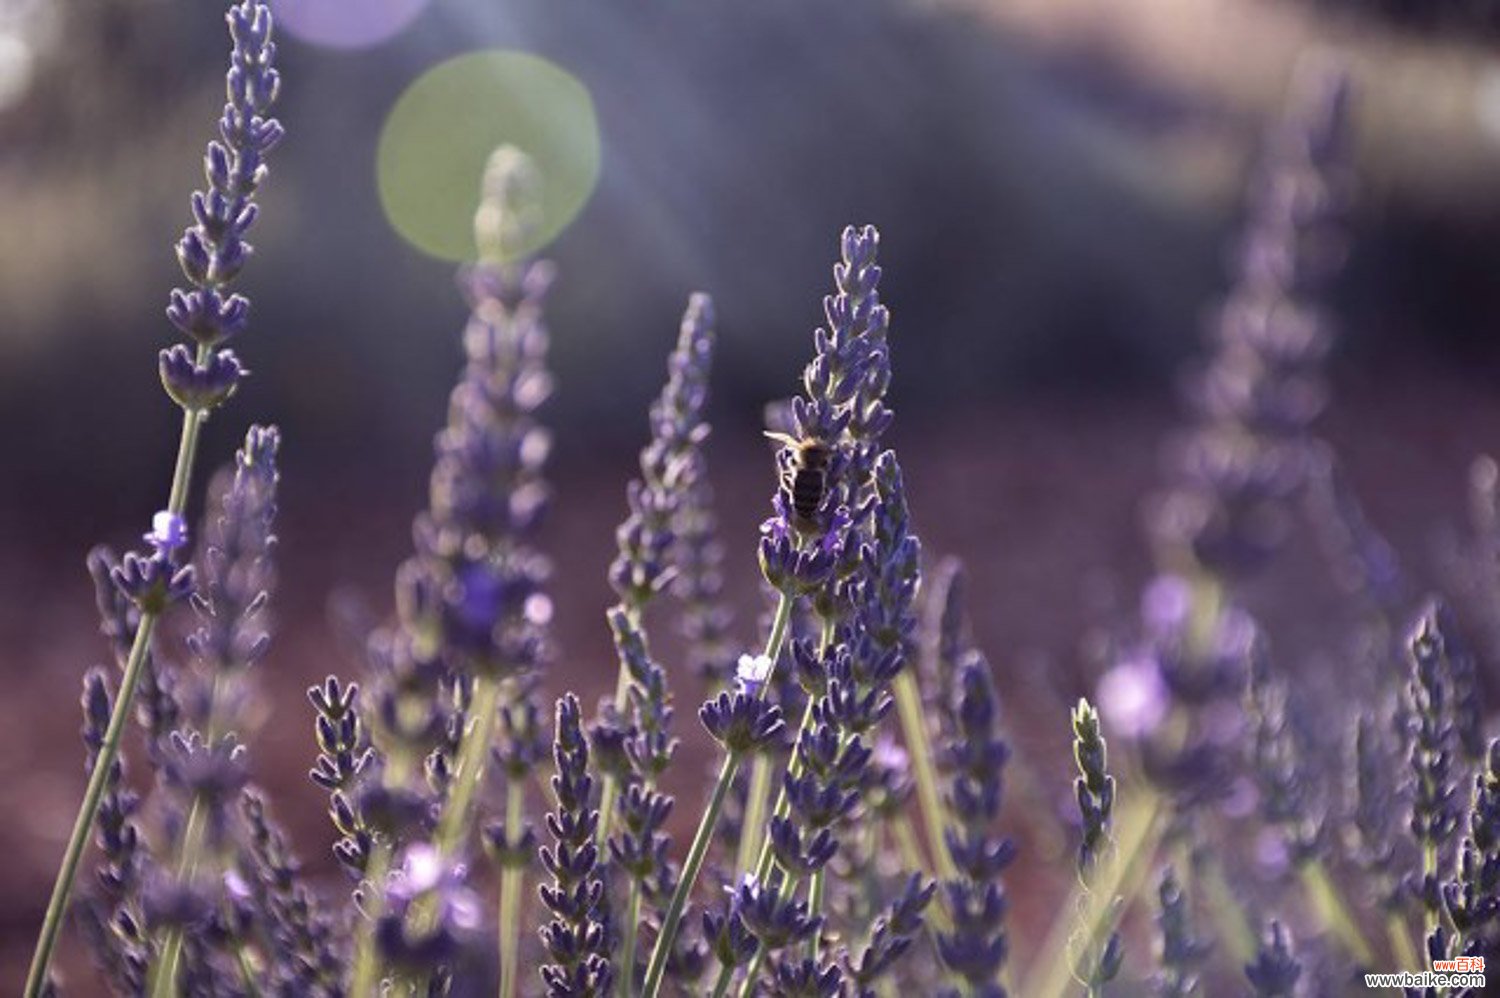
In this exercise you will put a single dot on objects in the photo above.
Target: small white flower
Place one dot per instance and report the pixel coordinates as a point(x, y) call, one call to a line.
point(752, 672)
point(168, 532)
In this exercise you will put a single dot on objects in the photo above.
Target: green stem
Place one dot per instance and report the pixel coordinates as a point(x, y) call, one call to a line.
point(164, 973)
point(627, 950)
point(757, 805)
point(247, 970)
point(747, 987)
point(699, 848)
point(815, 907)
point(1225, 911)
point(473, 753)
point(1402, 948)
point(366, 962)
point(36, 979)
point(760, 771)
point(690, 867)
point(62, 888)
point(511, 882)
point(755, 808)
point(607, 784)
point(1333, 911)
point(914, 734)
point(721, 984)
point(1429, 871)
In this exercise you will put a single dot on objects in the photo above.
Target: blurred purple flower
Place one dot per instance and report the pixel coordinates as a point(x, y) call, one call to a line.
point(1133, 697)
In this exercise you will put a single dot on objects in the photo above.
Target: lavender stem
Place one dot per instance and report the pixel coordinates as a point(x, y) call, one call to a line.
point(1140, 819)
point(1333, 911)
point(511, 882)
point(62, 890)
point(165, 972)
point(36, 978)
point(914, 734)
point(699, 848)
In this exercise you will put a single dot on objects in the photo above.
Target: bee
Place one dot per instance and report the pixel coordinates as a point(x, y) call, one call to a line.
point(804, 478)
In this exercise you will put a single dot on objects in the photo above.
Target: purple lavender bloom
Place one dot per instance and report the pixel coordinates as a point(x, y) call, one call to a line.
point(1179, 952)
point(730, 942)
point(213, 250)
point(574, 939)
point(975, 948)
point(153, 582)
point(1249, 453)
point(451, 938)
point(1434, 809)
point(471, 602)
point(699, 585)
point(119, 947)
point(842, 414)
point(742, 723)
point(1376, 805)
point(1289, 792)
point(773, 915)
point(671, 464)
point(286, 909)
point(1133, 697)
point(199, 387)
point(212, 776)
point(1275, 971)
point(237, 572)
point(791, 566)
point(892, 934)
point(1094, 787)
point(1472, 896)
point(805, 978)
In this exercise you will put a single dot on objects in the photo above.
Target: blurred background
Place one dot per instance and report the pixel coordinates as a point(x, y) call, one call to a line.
point(1057, 183)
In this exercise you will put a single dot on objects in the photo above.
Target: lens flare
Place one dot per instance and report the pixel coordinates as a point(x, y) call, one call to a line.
point(438, 137)
point(345, 24)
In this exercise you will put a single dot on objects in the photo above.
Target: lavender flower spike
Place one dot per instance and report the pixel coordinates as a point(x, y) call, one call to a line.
point(976, 947)
point(211, 254)
point(575, 937)
point(1434, 811)
point(1275, 970)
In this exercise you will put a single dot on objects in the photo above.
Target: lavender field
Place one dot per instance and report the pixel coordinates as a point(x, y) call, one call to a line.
point(1090, 583)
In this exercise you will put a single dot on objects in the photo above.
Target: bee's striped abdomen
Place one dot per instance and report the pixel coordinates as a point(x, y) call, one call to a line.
point(807, 492)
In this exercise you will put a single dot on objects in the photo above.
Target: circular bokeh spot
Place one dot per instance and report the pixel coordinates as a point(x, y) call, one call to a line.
point(439, 136)
point(345, 24)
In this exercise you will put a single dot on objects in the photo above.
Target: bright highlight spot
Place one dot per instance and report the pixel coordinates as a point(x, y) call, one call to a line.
point(1487, 102)
point(16, 65)
point(439, 136)
point(345, 24)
